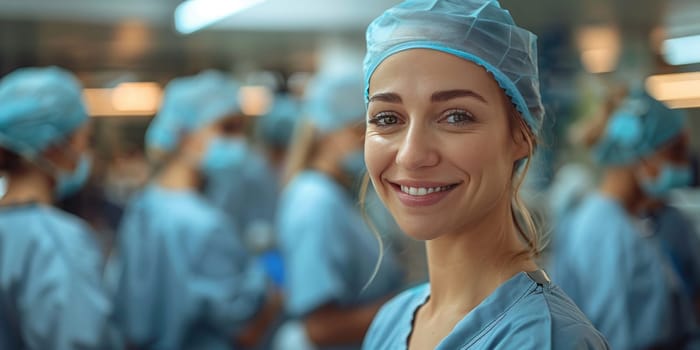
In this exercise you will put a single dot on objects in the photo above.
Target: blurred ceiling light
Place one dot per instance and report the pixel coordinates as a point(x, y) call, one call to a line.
point(193, 15)
point(682, 50)
point(132, 39)
point(100, 103)
point(136, 97)
point(681, 90)
point(255, 100)
point(599, 47)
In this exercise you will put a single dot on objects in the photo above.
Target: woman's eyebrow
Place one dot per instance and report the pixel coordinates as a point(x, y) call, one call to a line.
point(442, 96)
point(389, 97)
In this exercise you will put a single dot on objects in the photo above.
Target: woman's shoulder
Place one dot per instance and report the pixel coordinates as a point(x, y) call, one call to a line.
point(44, 223)
point(178, 207)
point(550, 315)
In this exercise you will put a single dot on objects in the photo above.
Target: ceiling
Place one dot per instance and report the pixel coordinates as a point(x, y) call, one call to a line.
point(103, 39)
point(324, 14)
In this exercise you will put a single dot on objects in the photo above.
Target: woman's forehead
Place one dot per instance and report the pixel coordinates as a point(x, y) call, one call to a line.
point(425, 71)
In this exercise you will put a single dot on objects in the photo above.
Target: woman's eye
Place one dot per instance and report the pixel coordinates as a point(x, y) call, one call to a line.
point(458, 117)
point(384, 119)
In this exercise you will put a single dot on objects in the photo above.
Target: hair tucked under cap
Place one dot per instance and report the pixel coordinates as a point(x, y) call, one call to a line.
point(39, 107)
point(476, 30)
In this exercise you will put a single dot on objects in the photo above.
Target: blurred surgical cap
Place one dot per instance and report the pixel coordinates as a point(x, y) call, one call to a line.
point(277, 126)
point(638, 128)
point(334, 101)
point(39, 107)
point(189, 104)
point(476, 30)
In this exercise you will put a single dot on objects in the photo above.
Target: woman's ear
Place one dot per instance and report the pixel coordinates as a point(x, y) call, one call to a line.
point(522, 144)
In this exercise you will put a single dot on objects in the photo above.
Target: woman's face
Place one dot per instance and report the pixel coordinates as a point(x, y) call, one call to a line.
point(438, 146)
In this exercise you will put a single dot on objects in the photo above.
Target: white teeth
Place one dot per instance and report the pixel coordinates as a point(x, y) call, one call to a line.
point(422, 191)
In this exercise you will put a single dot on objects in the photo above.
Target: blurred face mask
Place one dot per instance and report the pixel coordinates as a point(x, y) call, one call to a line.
point(68, 183)
point(671, 177)
point(224, 154)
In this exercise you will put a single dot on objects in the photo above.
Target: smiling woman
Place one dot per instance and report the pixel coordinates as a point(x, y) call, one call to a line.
point(459, 142)
point(453, 116)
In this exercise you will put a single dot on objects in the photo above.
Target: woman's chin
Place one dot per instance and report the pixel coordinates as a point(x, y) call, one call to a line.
point(420, 231)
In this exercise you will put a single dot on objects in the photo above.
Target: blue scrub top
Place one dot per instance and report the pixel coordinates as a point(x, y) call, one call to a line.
point(620, 278)
point(680, 241)
point(329, 251)
point(525, 312)
point(250, 197)
point(51, 291)
point(184, 280)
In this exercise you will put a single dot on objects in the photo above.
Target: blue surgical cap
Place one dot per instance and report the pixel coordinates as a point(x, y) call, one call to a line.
point(277, 126)
point(189, 104)
point(479, 31)
point(637, 129)
point(334, 101)
point(39, 107)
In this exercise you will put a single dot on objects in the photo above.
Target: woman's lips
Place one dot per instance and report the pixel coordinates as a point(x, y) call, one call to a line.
point(421, 194)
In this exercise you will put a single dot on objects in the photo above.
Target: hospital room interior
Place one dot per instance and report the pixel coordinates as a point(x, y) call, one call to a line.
point(211, 174)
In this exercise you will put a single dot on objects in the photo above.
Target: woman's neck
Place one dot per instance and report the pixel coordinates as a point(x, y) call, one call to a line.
point(178, 174)
point(32, 185)
point(620, 184)
point(467, 267)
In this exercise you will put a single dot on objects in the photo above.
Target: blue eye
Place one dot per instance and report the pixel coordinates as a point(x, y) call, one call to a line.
point(384, 119)
point(457, 117)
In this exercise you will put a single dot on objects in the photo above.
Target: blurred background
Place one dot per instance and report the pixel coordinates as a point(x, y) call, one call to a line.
point(124, 52)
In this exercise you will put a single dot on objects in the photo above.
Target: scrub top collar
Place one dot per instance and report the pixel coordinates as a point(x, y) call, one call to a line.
point(487, 314)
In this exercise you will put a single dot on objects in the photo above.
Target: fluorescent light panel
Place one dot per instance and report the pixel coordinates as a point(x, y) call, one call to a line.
point(682, 50)
point(681, 90)
point(129, 99)
point(141, 97)
point(193, 15)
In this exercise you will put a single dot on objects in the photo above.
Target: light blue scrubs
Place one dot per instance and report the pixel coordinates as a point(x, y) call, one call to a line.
point(51, 291)
point(620, 278)
point(249, 197)
point(329, 251)
point(525, 312)
point(680, 241)
point(184, 279)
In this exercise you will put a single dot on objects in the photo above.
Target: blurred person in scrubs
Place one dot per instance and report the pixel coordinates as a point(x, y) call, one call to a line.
point(250, 199)
point(51, 292)
point(184, 278)
point(276, 128)
point(613, 264)
point(330, 254)
point(571, 185)
point(667, 169)
point(454, 114)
